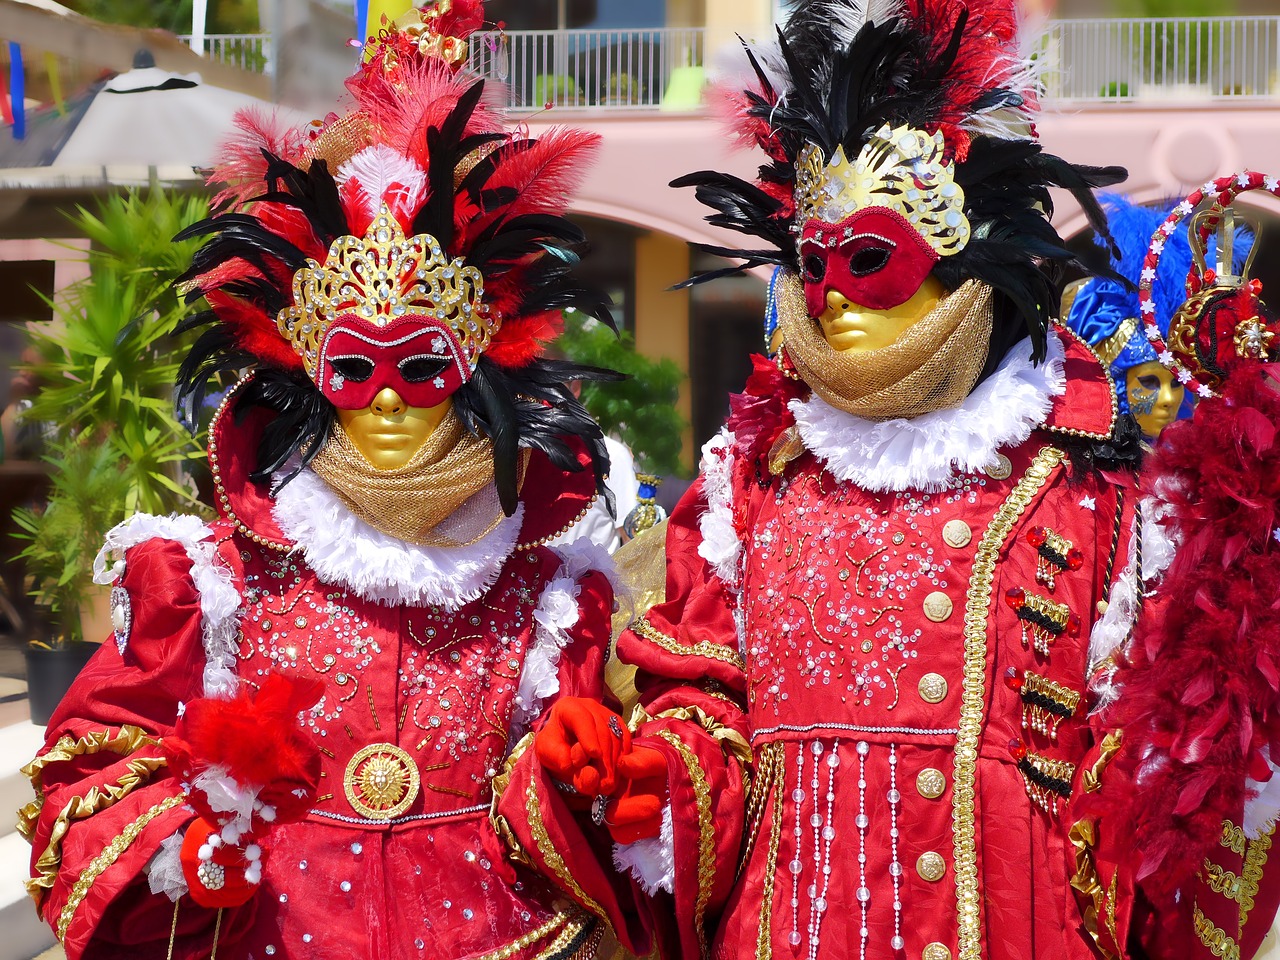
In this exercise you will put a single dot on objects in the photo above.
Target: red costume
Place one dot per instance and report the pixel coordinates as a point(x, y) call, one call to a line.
point(296, 743)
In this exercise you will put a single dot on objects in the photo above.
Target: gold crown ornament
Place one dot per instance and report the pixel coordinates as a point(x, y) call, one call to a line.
point(420, 25)
point(381, 277)
point(901, 169)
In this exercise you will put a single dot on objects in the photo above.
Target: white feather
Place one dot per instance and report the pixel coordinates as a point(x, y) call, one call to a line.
point(384, 175)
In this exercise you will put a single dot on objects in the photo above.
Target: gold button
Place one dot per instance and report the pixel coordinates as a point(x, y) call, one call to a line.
point(867, 646)
point(956, 533)
point(931, 783)
point(931, 866)
point(933, 688)
point(1002, 469)
point(936, 951)
point(937, 606)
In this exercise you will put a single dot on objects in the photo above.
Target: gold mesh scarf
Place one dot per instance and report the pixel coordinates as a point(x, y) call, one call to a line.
point(443, 497)
point(933, 366)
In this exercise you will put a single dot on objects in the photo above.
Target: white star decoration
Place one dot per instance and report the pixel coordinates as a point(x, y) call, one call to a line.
point(1091, 503)
point(1271, 183)
point(1148, 306)
point(1167, 228)
point(1184, 376)
point(1183, 209)
point(1148, 274)
point(1166, 358)
point(1157, 245)
point(1204, 391)
point(1276, 534)
point(1243, 179)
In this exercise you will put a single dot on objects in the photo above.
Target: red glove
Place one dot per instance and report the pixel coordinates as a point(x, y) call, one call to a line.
point(581, 744)
point(636, 813)
point(219, 874)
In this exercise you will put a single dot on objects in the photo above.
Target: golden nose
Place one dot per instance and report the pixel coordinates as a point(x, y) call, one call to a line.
point(837, 302)
point(388, 403)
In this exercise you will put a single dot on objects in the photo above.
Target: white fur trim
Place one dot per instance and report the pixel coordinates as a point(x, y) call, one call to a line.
point(219, 596)
point(651, 861)
point(719, 546)
point(345, 551)
point(1263, 805)
point(556, 614)
point(928, 452)
point(164, 871)
point(1113, 629)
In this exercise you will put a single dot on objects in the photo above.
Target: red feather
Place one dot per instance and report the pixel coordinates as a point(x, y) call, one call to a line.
point(1200, 702)
point(254, 331)
point(257, 739)
point(243, 168)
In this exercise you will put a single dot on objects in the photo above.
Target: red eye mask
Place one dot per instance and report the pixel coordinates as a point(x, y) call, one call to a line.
point(418, 358)
point(873, 257)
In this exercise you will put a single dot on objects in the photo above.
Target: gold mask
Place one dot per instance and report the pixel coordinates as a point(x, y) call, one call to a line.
point(389, 432)
point(1154, 396)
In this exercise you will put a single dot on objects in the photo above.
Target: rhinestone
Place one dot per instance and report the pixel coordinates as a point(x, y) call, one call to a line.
point(418, 943)
point(345, 886)
point(269, 950)
point(306, 938)
point(467, 914)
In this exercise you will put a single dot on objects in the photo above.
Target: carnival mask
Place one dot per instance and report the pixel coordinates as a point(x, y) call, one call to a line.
point(418, 359)
point(874, 229)
point(1155, 397)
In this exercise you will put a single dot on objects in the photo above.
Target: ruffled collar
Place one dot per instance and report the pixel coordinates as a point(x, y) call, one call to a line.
point(345, 551)
point(929, 452)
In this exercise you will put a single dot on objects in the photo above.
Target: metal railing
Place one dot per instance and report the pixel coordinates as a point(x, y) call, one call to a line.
point(594, 68)
point(1178, 58)
point(247, 51)
point(1085, 61)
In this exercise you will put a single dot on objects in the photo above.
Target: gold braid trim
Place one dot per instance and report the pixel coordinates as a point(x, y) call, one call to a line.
point(706, 836)
point(1214, 938)
point(1255, 859)
point(499, 786)
point(109, 855)
point(139, 773)
point(1223, 881)
point(553, 925)
point(973, 699)
point(550, 856)
point(1233, 838)
point(703, 648)
point(1083, 836)
point(764, 935)
point(574, 930)
point(759, 790)
point(731, 741)
point(129, 739)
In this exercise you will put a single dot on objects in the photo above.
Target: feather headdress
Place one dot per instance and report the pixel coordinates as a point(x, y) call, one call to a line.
point(841, 71)
point(422, 146)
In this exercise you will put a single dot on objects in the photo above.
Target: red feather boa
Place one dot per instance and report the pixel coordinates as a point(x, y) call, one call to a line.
point(1200, 701)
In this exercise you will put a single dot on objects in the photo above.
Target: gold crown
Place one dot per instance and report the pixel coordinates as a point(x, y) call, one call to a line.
point(903, 169)
point(382, 277)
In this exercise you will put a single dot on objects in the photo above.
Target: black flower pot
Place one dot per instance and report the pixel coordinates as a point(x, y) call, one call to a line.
point(50, 673)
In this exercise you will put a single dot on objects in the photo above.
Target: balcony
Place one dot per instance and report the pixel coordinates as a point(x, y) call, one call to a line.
point(1096, 61)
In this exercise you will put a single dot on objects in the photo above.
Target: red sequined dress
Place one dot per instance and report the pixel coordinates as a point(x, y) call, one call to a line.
point(434, 665)
point(902, 613)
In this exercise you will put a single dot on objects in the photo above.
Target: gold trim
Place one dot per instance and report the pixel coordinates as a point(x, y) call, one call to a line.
point(730, 740)
point(1255, 859)
point(706, 836)
point(703, 648)
point(499, 786)
point(573, 929)
point(1091, 779)
point(129, 739)
point(1233, 838)
point(1214, 938)
point(973, 698)
point(109, 855)
point(550, 856)
point(1063, 330)
point(759, 790)
point(138, 773)
point(533, 936)
point(1083, 836)
point(764, 935)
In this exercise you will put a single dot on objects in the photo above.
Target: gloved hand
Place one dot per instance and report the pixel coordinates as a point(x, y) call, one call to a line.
point(635, 813)
point(581, 744)
point(219, 874)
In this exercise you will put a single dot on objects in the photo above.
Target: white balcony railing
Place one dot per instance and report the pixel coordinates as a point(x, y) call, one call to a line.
point(1177, 58)
point(1085, 61)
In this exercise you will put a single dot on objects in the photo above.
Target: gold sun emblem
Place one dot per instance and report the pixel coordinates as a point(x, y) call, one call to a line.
point(381, 781)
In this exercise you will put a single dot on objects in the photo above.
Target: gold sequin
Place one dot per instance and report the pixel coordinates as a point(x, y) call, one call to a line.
point(933, 688)
point(930, 783)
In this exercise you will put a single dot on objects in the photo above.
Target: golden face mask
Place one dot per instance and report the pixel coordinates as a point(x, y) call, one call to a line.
point(389, 432)
point(1154, 396)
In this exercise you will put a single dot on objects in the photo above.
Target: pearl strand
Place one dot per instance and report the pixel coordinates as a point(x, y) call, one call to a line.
point(864, 894)
point(797, 797)
point(895, 868)
point(828, 835)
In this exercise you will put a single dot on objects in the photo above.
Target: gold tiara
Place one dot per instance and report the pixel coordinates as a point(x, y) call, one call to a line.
point(904, 170)
point(382, 277)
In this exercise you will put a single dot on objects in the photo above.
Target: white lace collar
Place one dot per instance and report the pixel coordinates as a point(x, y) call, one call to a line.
point(928, 452)
point(345, 551)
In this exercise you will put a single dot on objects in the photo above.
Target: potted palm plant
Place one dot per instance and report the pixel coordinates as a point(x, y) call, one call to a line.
point(108, 362)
